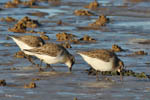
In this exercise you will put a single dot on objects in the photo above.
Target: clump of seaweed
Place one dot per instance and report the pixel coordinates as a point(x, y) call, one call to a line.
point(23, 24)
point(2, 83)
point(8, 19)
point(44, 37)
point(138, 53)
point(70, 38)
point(125, 72)
point(20, 54)
point(116, 48)
point(30, 85)
point(66, 45)
point(87, 38)
point(92, 5)
point(17, 3)
point(101, 21)
point(64, 36)
point(82, 12)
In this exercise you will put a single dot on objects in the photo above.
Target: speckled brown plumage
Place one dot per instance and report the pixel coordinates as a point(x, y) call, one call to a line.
point(103, 54)
point(33, 41)
point(50, 49)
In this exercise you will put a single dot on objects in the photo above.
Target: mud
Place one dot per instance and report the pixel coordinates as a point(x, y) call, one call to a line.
point(23, 24)
point(20, 54)
point(116, 48)
point(101, 21)
point(39, 14)
point(44, 37)
point(124, 73)
point(30, 85)
point(17, 3)
point(83, 12)
point(87, 38)
point(2, 83)
point(66, 45)
point(124, 22)
point(8, 19)
point(92, 5)
point(64, 36)
point(140, 53)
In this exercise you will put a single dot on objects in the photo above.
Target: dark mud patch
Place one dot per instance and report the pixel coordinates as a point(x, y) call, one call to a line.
point(116, 48)
point(39, 14)
point(19, 3)
point(12, 68)
point(44, 37)
point(23, 24)
point(30, 85)
point(101, 21)
point(20, 54)
point(73, 39)
point(2, 83)
point(8, 44)
point(8, 19)
point(138, 53)
point(144, 42)
point(64, 36)
point(124, 72)
point(87, 39)
point(83, 12)
point(66, 45)
point(7, 64)
point(137, 1)
point(92, 5)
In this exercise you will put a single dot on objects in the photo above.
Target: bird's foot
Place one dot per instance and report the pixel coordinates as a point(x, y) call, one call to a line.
point(41, 70)
point(49, 66)
point(109, 79)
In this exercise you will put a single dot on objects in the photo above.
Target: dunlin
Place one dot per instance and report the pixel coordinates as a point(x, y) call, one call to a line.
point(52, 53)
point(103, 60)
point(28, 42)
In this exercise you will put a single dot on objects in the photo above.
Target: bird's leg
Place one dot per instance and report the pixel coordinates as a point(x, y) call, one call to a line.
point(41, 63)
point(121, 77)
point(39, 66)
point(29, 59)
point(49, 66)
point(97, 76)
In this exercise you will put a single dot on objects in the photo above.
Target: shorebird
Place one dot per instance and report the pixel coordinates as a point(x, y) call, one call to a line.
point(52, 53)
point(102, 60)
point(28, 42)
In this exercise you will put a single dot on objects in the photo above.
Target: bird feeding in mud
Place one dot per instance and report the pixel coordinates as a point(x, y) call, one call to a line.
point(102, 60)
point(27, 42)
point(52, 53)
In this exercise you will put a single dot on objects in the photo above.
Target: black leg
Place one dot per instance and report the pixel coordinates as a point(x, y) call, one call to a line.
point(30, 59)
point(121, 76)
point(97, 76)
point(39, 66)
point(41, 63)
point(49, 66)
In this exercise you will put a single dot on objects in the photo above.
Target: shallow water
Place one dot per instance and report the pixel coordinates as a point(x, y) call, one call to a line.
point(129, 24)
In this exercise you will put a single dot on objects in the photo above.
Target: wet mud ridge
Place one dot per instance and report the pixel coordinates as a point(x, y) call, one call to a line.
point(120, 26)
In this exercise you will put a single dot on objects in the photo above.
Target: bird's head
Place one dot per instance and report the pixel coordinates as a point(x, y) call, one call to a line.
point(70, 62)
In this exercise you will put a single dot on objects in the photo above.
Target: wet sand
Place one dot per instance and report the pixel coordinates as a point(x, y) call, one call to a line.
point(128, 27)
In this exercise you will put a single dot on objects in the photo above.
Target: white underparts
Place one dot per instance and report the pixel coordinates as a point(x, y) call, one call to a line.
point(98, 64)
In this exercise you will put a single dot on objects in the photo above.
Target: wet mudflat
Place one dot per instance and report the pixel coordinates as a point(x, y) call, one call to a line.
point(128, 27)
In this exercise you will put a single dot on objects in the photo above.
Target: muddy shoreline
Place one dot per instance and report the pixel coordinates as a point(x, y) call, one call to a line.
point(121, 25)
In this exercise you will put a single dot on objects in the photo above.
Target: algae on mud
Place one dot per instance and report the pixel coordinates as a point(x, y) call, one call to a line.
point(124, 72)
point(129, 20)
